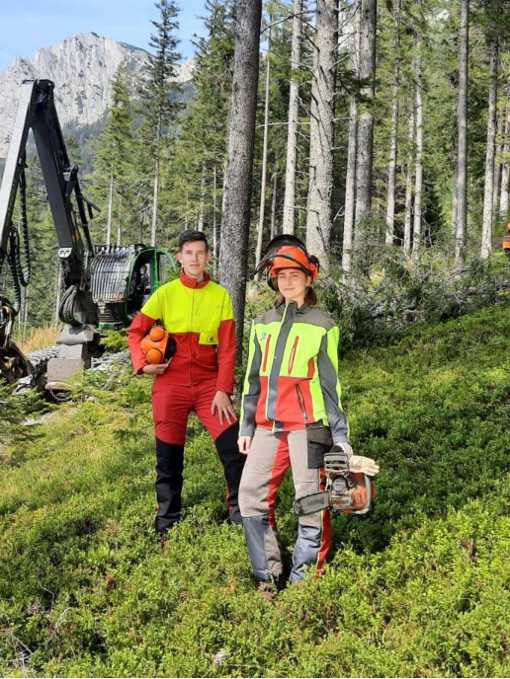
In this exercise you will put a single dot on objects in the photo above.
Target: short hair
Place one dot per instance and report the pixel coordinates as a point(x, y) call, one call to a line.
point(190, 236)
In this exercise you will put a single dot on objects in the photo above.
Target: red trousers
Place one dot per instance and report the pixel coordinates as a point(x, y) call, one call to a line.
point(172, 404)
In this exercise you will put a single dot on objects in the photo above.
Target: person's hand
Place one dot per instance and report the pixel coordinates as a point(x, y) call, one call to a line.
point(155, 368)
point(223, 405)
point(345, 447)
point(244, 443)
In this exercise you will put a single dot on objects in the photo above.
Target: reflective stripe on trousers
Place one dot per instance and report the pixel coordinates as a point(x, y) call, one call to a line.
point(270, 457)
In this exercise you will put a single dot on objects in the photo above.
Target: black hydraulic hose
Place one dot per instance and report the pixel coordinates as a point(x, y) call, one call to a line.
point(24, 278)
point(67, 308)
point(14, 265)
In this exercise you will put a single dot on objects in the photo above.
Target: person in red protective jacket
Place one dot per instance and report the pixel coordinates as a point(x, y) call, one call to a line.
point(198, 315)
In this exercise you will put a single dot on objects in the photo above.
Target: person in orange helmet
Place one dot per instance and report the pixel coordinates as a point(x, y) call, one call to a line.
point(291, 413)
point(198, 315)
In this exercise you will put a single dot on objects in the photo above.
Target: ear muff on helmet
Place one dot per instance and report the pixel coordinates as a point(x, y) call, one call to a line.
point(157, 345)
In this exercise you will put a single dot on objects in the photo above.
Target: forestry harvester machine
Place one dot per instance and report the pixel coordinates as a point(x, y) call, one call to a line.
point(101, 286)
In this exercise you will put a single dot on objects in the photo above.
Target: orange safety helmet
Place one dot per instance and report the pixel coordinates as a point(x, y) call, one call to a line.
point(287, 252)
point(293, 257)
point(157, 345)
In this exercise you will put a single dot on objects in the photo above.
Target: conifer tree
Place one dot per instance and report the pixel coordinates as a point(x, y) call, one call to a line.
point(114, 158)
point(158, 94)
point(200, 149)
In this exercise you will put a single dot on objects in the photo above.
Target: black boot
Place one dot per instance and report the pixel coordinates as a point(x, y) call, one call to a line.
point(233, 463)
point(169, 468)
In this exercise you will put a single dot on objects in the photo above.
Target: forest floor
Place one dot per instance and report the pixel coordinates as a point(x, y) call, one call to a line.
point(419, 587)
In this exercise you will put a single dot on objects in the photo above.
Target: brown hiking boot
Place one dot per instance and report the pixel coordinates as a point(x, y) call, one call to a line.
point(267, 590)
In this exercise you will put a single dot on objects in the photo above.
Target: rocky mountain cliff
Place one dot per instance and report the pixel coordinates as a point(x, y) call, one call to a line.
point(82, 68)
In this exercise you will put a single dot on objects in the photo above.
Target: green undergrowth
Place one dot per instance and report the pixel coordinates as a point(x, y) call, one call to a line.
point(420, 587)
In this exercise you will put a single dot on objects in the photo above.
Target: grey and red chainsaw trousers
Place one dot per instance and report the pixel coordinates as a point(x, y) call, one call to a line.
point(270, 457)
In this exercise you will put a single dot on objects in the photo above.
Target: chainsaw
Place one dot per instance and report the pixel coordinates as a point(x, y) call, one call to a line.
point(350, 487)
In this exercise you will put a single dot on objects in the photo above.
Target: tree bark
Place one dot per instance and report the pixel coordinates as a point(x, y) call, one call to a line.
point(488, 194)
point(350, 189)
point(352, 146)
point(273, 207)
point(200, 224)
point(392, 164)
point(262, 206)
point(409, 185)
point(367, 66)
point(320, 186)
point(110, 211)
point(289, 201)
point(155, 197)
point(498, 165)
point(462, 141)
point(418, 185)
point(505, 170)
point(215, 222)
point(58, 288)
point(241, 134)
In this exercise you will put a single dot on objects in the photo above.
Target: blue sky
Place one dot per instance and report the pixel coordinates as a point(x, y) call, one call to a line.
point(27, 25)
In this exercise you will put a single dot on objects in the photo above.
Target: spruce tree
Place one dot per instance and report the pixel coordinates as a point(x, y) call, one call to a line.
point(192, 193)
point(158, 95)
point(113, 168)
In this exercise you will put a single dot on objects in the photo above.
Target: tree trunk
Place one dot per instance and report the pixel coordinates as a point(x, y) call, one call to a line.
point(367, 64)
point(505, 170)
point(498, 166)
point(289, 201)
point(273, 207)
point(155, 197)
point(409, 185)
point(488, 194)
point(110, 211)
point(418, 185)
point(262, 206)
point(200, 223)
point(350, 189)
point(462, 142)
point(352, 141)
point(215, 222)
point(241, 134)
point(392, 164)
point(58, 288)
point(320, 186)
point(454, 203)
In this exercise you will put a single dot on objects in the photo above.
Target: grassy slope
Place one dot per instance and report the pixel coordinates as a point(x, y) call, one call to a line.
point(419, 587)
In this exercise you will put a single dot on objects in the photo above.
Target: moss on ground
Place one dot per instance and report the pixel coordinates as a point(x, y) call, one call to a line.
point(420, 587)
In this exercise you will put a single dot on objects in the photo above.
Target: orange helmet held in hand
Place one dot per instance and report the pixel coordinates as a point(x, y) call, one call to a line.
point(157, 345)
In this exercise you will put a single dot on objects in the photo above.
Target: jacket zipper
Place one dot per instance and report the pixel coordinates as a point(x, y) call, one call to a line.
point(190, 340)
point(269, 376)
point(266, 353)
point(292, 356)
point(301, 402)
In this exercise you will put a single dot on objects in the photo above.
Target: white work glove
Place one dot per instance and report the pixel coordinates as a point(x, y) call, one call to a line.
point(363, 465)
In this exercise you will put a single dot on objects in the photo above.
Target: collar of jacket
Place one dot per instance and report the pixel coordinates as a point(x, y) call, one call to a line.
point(190, 282)
point(280, 308)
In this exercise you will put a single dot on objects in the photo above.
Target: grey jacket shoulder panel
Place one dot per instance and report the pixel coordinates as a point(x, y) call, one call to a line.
point(307, 314)
point(315, 316)
point(270, 316)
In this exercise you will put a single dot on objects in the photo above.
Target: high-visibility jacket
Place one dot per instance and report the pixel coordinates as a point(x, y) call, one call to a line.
point(292, 373)
point(200, 318)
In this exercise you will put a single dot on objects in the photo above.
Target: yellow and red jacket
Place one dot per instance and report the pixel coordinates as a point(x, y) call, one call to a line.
point(200, 318)
point(292, 373)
